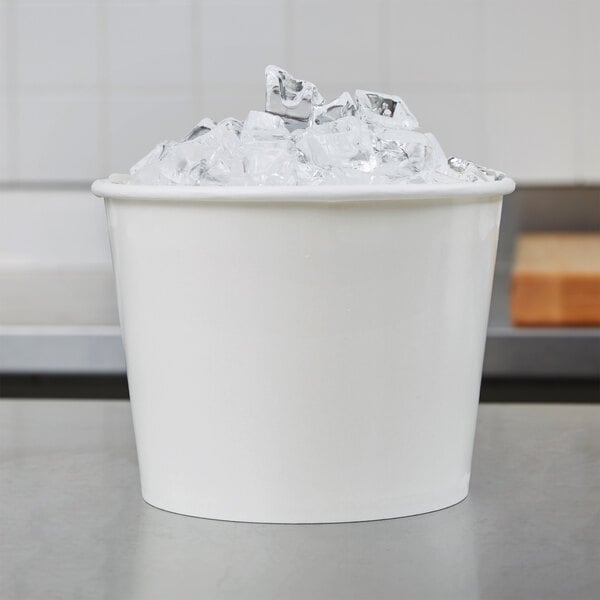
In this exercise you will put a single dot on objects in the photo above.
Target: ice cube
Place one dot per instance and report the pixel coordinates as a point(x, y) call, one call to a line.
point(437, 157)
point(269, 163)
point(465, 170)
point(307, 173)
point(200, 129)
point(402, 153)
point(345, 143)
point(268, 154)
point(175, 164)
point(300, 140)
point(150, 158)
point(387, 109)
point(288, 97)
point(231, 124)
point(212, 158)
point(221, 152)
point(343, 106)
point(263, 126)
point(147, 169)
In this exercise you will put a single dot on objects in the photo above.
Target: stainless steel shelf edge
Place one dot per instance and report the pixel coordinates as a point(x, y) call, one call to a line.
point(512, 352)
point(61, 350)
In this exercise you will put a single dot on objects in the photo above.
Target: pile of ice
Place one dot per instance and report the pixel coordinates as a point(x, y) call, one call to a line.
point(302, 140)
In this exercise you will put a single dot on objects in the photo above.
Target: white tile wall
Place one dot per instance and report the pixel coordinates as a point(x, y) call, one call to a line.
point(138, 121)
point(3, 140)
point(433, 42)
point(221, 101)
point(530, 134)
point(4, 32)
point(227, 56)
point(149, 44)
point(590, 147)
point(337, 41)
point(56, 44)
point(530, 42)
point(88, 85)
point(587, 103)
point(50, 228)
point(588, 50)
point(58, 137)
point(4, 20)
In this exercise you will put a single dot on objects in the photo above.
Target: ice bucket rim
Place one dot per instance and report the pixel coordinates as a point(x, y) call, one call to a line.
point(117, 187)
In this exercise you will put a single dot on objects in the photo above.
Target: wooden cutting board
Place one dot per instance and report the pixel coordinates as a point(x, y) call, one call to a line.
point(556, 280)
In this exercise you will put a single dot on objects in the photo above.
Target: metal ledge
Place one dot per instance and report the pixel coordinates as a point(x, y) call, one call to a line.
point(59, 350)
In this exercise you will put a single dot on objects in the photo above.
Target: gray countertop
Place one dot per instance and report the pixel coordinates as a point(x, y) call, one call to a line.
point(73, 524)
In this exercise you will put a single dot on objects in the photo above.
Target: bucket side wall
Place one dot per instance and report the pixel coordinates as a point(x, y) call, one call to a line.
point(304, 362)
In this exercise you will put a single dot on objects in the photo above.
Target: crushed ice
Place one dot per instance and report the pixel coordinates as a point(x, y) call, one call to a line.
point(302, 140)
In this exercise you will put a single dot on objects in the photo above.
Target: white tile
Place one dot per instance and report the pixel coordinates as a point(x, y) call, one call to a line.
point(221, 101)
point(53, 2)
point(58, 138)
point(4, 30)
point(455, 117)
point(138, 122)
point(435, 42)
point(589, 139)
point(531, 134)
point(57, 44)
point(40, 227)
point(588, 44)
point(239, 39)
point(150, 44)
point(529, 42)
point(148, 2)
point(337, 41)
point(3, 137)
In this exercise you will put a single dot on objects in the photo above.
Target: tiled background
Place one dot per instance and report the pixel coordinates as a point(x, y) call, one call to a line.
point(87, 86)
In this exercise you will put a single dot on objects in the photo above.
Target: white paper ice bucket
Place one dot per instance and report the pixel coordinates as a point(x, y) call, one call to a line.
point(304, 354)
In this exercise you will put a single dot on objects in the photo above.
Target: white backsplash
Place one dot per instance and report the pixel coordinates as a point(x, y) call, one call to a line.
point(50, 229)
point(87, 86)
